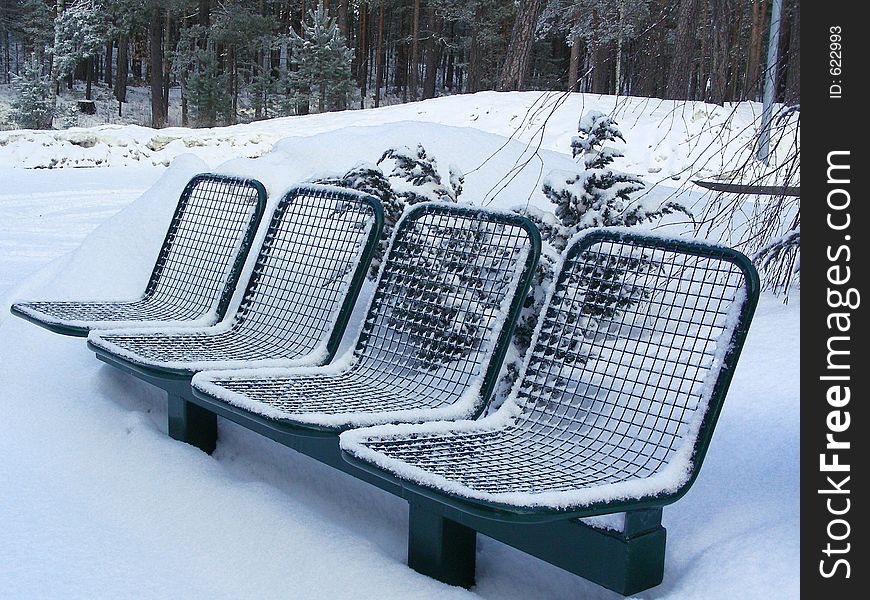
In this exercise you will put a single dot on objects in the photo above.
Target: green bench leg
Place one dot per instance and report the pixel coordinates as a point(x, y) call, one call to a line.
point(440, 548)
point(192, 424)
point(645, 540)
point(627, 561)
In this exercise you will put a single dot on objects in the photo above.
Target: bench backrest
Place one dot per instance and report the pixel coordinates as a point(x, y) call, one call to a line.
point(205, 248)
point(447, 299)
point(634, 355)
point(310, 268)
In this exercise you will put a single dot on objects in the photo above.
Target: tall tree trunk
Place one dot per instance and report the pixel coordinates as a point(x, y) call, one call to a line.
point(89, 77)
point(379, 57)
point(519, 51)
point(793, 59)
point(204, 13)
point(7, 64)
point(121, 77)
point(574, 66)
point(600, 58)
point(598, 54)
point(475, 53)
point(735, 55)
point(155, 54)
point(619, 40)
point(167, 65)
point(413, 82)
point(110, 47)
point(363, 52)
point(449, 81)
point(55, 67)
point(341, 17)
point(723, 12)
point(753, 61)
point(685, 51)
point(403, 54)
point(699, 91)
point(433, 54)
point(234, 84)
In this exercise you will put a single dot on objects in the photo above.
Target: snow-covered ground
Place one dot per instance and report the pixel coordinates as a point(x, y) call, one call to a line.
point(97, 502)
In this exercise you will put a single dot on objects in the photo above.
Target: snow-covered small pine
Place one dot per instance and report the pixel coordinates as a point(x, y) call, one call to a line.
point(31, 103)
point(368, 178)
point(595, 128)
point(416, 179)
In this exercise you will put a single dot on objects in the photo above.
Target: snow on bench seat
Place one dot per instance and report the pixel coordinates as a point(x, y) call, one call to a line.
point(196, 270)
point(433, 341)
point(618, 396)
point(299, 293)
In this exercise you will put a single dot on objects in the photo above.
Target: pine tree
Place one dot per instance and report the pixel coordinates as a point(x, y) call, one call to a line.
point(600, 196)
point(414, 178)
point(31, 104)
point(80, 34)
point(322, 63)
point(368, 178)
point(417, 176)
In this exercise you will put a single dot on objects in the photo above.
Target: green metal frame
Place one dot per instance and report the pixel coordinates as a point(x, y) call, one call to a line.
point(52, 327)
point(153, 279)
point(241, 257)
point(442, 535)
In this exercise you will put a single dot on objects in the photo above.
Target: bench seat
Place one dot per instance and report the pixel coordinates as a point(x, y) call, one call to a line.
point(297, 300)
point(196, 270)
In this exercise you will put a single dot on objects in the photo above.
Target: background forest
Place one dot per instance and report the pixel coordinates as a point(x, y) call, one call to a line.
point(228, 61)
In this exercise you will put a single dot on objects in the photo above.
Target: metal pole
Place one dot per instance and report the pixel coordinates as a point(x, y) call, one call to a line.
point(769, 83)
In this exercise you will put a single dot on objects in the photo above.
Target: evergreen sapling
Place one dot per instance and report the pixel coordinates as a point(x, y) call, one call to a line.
point(32, 102)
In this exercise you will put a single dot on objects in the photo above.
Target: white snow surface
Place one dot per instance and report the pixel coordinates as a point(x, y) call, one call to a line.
point(98, 502)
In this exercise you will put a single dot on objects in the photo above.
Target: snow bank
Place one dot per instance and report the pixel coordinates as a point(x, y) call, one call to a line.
point(666, 138)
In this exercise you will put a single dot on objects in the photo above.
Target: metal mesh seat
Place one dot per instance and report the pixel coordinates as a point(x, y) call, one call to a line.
point(298, 298)
point(619, 394)
point(196, 270)
point(434, 337)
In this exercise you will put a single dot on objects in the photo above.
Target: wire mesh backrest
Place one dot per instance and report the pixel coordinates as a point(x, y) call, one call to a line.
point(315, 252)
point(639, 338)
point(447, 295)
point(207, 242)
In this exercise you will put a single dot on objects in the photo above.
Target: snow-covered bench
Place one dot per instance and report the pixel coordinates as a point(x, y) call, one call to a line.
point(196, 270)
point(299, 295)
point(613, 413)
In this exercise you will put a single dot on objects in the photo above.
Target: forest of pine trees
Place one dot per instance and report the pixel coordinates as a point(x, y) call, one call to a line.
point(237, 60)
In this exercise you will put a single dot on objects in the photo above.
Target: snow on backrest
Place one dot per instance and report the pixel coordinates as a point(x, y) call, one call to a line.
point(630, 348)
point(443, 296)
point(309, 256)
point(204, 238)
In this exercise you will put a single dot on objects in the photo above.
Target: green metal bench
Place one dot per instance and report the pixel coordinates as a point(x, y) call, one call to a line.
point(614, 412)
point(196, 270)
point(294, 309)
